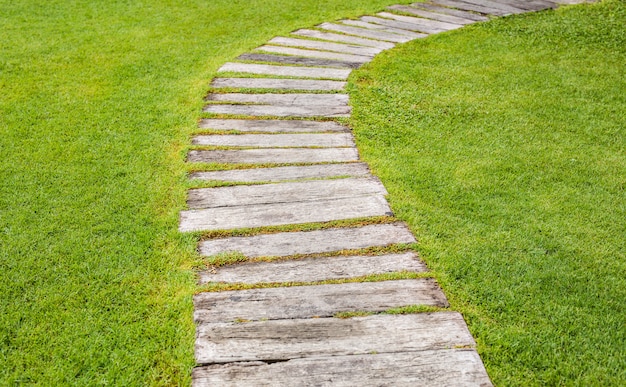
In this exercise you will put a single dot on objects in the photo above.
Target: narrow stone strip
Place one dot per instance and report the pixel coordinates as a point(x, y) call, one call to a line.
point(373, 26)
point(326, 46)
point(449, 11)
point(421, 22)
point(315, 54)
point(497, 5)
point(282, 99)
point(431, 15)
point(471, 7)
point(277, 84)
point(297, 60)
point(280, 111)
point(343, 38)
point(272, 126)
point(263, 156)
point(404, 25)
point(286, 71)
point(365, 33)
point(273, 140)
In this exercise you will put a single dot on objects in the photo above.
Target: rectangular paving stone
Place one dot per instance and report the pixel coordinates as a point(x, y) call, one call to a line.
point(445, 367)
point(420, 22)
point(303, 338)
point(281, 84)
point(276, 140)
point(272, 126)
point(314, 53)
point(401, 25)
point(365, 33)
point(313, 269)
point(450, 11)
point(344, 38)
point(244, 195)
point(310, 242)
point(326, 46)
point(262, 156)
point(282, 99)
point(280, 111)
point(314, 301)
point(431, 15)
point(278, 214)
point(373, 26)
point(287, 71)
point(471, 7)
point(297, 60)
point(285, 173)
point(501, 5)
point(528, 5)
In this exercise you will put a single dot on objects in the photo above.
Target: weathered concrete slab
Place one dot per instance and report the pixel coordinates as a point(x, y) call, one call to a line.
point(434, 25)
point(302, 338)
point(297, 60)
point(278, 214)
point(344, 39)
point(450, 11)
point(262, 156)
point(431, 15)
point(528, 5)
point(281, 84)
point(314, 301)
point(310, 242)
point(282, 99)
point(272, 126)
point(315, 53)
point(314, 269)
point(462, 5)
point(245, 195)
point(286, 71)
point(277, 140)
point(280, 111)
point(378, 27)
point(446, 367)
point(326, 46)
point(285, 173)
point(400, 25)
point(501, 5)
point(365, 33)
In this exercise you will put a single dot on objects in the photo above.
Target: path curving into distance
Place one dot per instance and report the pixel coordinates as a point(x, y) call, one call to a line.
point(288, 162)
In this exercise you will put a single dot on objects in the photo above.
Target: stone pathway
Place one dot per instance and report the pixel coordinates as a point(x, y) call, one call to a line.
point(283, 327)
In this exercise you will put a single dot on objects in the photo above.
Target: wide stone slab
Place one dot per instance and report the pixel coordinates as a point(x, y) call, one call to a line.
point(274, 156)
point(462, 5)
point(446, 367)
point(286, 71)
point(245, 195)
point(431, 15)
point(373, 26)
point(279, 214)
point(285, 173)
point(310, 242)
point(297, 60)
point(326, 46)
point(280, 111)
point(281, 99)
point(314, 269)
point(302, 338)
point(276, 140)
point(344, 38)
point(365, 33)
point(272, 126)
point(434, 25)
point(450, 11)
point(315, 53)
point(280, 84)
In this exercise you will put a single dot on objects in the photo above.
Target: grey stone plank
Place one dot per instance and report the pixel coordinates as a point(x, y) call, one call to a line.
point(302, 338)
point(450, 11)
point(326, 46)
point(421, 22)
point(365, 33)
point(313, 269)
point(287, 71)
point(310, 242)
point(262, 156)
point(281, 84)
point(398, 31)
point(344, 38)
point(278, 214)
point(528, 5)
point(285, 173)
point(283, 59)
point(276, 140)
point(314, 53)
point(401, 25)
point(246, 195)
point(280, 111)
point(431, 15)
point(282, 99)
point(471, 7)
point(272, 126)
point(446, 367)
point(314, 301)
point(501, 5)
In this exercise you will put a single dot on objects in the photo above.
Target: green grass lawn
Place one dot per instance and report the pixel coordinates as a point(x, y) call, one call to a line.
point(503, 146)
point(97, 100)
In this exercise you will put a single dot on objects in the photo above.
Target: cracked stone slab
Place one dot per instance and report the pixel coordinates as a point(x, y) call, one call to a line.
point(262, 156)
point(326, 46)
point(280, 84)
point(431, 15)
point(303, 338)
point(313, 269)
point(282, 99)
point(276, 140)
point(297, 60)
point(272, 126)
point(365, 33)
point(286, 71)
point(450, 11)
point(280, 110)
point(315, 53)
point(343, 38)
point(310, 242)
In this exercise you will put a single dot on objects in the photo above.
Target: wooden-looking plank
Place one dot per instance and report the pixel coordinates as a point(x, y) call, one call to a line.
point(287, 71)
point(471, 7)
point(262, 156)
point(365, 33)
point(314, 53)
point(326, 46)
point(281, 84)
point(344, 38)
point(379, 27)
point(281, 99)
point(245, 195)
point(280, 111)
point(431, 15)
point(446, 367)
point(401, 25)
point(276, 140)
point(297, 60)
point(434, 24)
point(310, 242)
point(313, 269)
point(450, 11)
point(279, 214)
point(285, 173)
point(301, 338)
point(314, 301)
point(272, 126)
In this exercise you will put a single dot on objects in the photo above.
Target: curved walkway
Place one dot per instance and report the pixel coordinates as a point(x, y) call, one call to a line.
point(292, 164)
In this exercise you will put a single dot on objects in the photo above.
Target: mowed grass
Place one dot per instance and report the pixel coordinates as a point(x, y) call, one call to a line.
point(503, 146)
point(97, 101)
